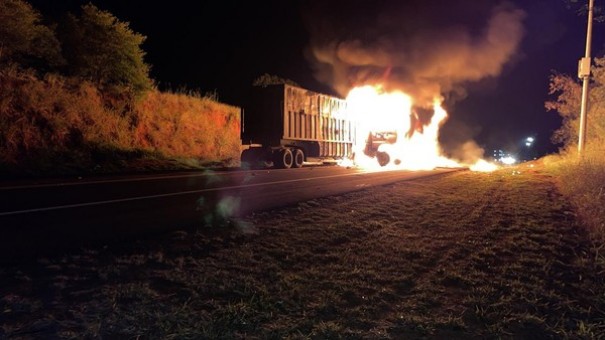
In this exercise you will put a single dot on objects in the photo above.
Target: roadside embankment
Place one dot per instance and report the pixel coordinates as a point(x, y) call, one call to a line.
point(58, 125)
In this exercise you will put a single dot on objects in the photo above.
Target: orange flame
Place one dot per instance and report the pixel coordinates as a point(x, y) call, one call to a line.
point(389, 135)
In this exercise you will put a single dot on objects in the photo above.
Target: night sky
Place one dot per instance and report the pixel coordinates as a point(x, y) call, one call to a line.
point(495, 95)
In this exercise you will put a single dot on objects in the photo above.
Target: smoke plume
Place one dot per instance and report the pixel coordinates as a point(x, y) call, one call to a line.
point(425, 48)
point(468, 153)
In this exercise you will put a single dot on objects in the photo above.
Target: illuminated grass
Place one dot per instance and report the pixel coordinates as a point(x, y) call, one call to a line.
point(59, 125)
point(459, 256)
point(584, 183)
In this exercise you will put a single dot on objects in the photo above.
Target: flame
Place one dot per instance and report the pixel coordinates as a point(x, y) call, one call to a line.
point(483, 166)
point(391, 133)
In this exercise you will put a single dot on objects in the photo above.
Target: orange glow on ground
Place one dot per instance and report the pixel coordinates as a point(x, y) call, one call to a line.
point(383, 115)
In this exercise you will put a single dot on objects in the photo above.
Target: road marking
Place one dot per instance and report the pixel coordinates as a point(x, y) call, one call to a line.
point(205, 173)
point(61, 184)
point(138, 198)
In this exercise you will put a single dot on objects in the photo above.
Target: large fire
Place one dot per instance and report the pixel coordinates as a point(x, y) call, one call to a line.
point(391, 135)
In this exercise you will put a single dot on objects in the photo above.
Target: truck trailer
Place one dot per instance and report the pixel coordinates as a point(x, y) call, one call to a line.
point(285, 125)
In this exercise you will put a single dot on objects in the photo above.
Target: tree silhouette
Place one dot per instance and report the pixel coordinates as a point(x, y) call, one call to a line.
point(24, 40)
point(269, 79)
point(581, 8)
point(104, 50)
point(567, 90)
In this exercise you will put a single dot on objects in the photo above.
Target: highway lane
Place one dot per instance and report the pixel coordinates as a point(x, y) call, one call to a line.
point(37, 216)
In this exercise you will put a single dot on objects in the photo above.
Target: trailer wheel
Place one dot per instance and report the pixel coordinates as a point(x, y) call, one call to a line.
point(383, 158)
point(299, 158)
point(283, 159)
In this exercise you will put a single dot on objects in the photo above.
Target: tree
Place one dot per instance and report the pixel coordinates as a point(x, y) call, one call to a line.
point(581, 8)
point(268, 79)
point(567, 104)
point(104, 50)
point(24, 39)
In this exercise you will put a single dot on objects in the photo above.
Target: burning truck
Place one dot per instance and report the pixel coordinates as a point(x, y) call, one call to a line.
point(285, 125)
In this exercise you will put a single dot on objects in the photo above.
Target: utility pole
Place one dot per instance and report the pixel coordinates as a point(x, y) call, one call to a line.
point(584, 73)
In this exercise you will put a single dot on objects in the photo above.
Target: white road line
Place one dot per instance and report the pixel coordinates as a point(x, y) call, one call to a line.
point(140, 179)
point(138, 198)
point(33, 186)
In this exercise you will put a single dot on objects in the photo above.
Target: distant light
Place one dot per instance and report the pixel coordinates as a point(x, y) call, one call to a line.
point(508, 160)
point(528, 144)
point(530, 139)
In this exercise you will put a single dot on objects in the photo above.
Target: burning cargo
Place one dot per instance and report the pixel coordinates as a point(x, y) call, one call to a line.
point(285, 126)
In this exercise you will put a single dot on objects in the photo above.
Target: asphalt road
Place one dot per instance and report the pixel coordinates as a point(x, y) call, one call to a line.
point(37, 217)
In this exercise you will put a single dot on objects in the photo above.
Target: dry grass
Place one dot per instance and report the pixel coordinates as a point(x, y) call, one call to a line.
point(60, 125)
point(186, 125)
point(459, 256)
point(583, 181)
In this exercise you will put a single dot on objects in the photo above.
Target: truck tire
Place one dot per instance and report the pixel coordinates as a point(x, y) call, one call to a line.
point(283, 159)
point(383, 158)
point(298, 159)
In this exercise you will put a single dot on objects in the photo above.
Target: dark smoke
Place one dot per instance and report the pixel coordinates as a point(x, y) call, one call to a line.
point(426, 48)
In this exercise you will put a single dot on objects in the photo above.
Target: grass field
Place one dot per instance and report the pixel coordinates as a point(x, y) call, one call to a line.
point(457, 256)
